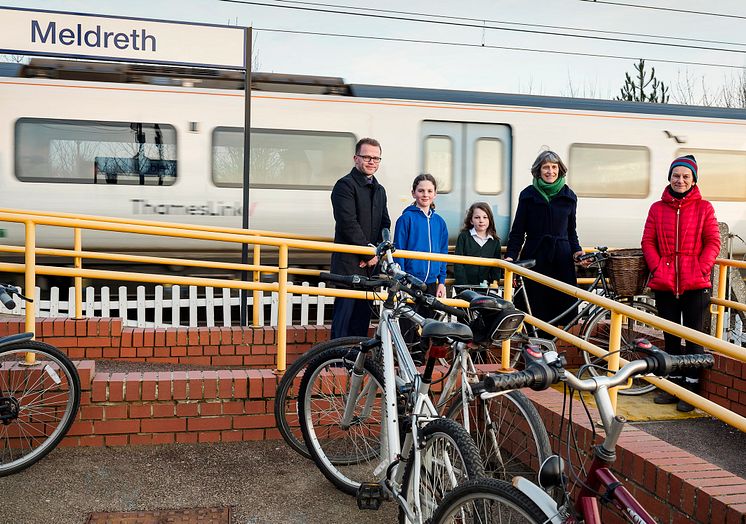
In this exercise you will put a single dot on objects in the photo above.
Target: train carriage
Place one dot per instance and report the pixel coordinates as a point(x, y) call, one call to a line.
point(160, 143)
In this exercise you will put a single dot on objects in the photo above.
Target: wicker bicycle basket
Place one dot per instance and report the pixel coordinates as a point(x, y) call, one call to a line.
point(628, 271)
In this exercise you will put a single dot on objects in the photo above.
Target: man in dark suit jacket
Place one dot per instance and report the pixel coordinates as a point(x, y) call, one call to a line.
point(360, 214)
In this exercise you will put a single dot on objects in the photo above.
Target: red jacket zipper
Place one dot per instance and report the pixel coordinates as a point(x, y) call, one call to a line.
point(676, 252)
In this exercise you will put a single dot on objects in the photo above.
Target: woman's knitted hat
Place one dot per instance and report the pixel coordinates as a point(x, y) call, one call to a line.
point(686, 161)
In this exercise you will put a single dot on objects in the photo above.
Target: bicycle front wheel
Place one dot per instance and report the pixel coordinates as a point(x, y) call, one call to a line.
point(448, 457)
point(39, 398)
point(488, 501)
point(348, 455)
point(286, 398)
point(597, 330)
point(509, 433)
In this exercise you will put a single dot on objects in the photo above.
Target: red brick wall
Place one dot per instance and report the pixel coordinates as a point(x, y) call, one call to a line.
point(97, 338)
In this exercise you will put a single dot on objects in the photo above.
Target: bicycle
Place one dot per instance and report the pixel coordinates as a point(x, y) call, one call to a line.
point(373, 430)
point(507, 428)
point(596, 320)
point(39, 396)
point(523, 501)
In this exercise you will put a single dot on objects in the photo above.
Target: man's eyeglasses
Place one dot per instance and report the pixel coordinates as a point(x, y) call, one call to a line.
point(366, 158)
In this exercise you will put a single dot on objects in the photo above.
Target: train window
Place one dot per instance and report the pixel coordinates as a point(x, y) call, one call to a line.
point(488, 162)
point(282, 158)
point(87, 152)
point(613, 171)
point(722, 173)
point(439, 161)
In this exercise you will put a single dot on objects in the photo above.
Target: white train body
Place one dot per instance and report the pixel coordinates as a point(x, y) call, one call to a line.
point(419, 130)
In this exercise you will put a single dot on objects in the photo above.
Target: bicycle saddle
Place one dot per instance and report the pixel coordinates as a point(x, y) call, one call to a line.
point(479, 301)
point(453, 330)
point(528, 263)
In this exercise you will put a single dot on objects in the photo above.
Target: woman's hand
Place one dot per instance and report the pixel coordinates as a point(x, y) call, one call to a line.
point(584, 263)
point(441, 292)
point(508, 259)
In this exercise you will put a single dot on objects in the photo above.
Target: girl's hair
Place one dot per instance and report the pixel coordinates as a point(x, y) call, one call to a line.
point(550, 157)
point(484, 206)
point(425, 177)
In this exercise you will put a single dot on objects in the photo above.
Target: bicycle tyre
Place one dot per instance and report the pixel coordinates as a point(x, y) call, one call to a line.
point(286, 408)
point(350, 456)
point(488, 500)
point(509, 419)
point(596, 330)
point(442, 441)
point(38, 403)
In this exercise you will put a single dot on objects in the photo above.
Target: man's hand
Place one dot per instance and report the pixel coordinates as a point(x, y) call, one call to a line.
point(370, 263)
point(441, 292)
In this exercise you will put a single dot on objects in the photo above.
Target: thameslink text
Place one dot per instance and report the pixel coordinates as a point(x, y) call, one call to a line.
point(137, 40)
point(209, 208)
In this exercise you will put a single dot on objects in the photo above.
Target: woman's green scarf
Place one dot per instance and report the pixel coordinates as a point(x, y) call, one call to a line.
point(549, 191)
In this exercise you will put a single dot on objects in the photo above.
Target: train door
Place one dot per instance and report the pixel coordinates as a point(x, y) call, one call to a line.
point(471, 163)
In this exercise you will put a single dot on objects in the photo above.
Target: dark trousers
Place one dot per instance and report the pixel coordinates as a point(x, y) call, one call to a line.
point(351, 317)
point(409, 328)
point(689, 309)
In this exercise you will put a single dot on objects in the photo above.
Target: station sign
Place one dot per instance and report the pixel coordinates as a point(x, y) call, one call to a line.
point(55, 33)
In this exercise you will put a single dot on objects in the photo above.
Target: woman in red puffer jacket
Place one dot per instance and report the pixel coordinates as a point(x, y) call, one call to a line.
point(680, 243)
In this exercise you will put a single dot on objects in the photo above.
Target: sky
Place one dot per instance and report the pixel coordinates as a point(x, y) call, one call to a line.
point(478, 34)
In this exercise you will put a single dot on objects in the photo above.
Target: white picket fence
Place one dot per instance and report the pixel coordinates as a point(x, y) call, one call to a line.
point(191, 306)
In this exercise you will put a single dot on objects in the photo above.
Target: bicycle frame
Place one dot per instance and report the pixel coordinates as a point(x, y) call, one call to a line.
point(587, 311)
point(601, 479)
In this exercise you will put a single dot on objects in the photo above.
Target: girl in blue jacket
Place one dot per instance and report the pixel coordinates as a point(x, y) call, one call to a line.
point(419, 228)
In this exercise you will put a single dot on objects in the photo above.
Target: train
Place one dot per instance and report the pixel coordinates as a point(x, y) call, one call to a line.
point(165, 143)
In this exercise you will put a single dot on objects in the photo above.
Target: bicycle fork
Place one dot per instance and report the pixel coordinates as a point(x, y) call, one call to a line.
point(356, 384)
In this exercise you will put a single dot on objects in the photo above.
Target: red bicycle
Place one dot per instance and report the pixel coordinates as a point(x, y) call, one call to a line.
point(497, 501)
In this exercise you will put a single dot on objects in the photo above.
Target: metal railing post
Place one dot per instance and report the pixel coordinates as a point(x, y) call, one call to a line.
point(78, 264)
point(30, 275)
point(615, 338)
point(507, 295)
point(722, 276)
point(282, 309)
point(257, 295)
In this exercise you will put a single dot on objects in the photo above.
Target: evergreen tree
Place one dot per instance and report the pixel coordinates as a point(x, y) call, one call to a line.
point(643, 88)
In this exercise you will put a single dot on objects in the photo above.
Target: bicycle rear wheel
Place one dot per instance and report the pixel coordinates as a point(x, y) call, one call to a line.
point(597, 329)
point(346, 456)
point(509, 433)
point(286, 398)
point(39, 399)
point(488, 501)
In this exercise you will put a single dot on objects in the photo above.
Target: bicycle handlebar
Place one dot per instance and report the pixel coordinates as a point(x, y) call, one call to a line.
point(412, 286)
point(537, 376)
point(540, 376)
point(6, 296)
point(354, 281)
point(6, 300)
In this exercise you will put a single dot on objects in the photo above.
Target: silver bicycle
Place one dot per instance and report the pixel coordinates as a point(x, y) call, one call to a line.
point(368, 421)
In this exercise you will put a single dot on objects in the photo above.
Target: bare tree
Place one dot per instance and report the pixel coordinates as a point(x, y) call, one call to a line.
point(732, 92)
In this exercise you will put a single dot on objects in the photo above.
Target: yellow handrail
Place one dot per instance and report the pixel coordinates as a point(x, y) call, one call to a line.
point(33, 219)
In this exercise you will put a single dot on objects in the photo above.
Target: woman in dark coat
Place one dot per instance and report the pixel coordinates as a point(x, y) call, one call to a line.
point(544, 229)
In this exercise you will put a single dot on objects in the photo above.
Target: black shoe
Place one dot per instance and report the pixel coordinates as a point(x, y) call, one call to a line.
point(684, 407)
point(664, 397)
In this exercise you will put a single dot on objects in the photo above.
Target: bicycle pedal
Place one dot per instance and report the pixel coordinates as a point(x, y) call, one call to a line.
point(369, 495)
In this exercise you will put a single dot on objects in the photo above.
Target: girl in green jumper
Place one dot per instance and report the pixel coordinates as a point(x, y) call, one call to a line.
point(478, 238)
